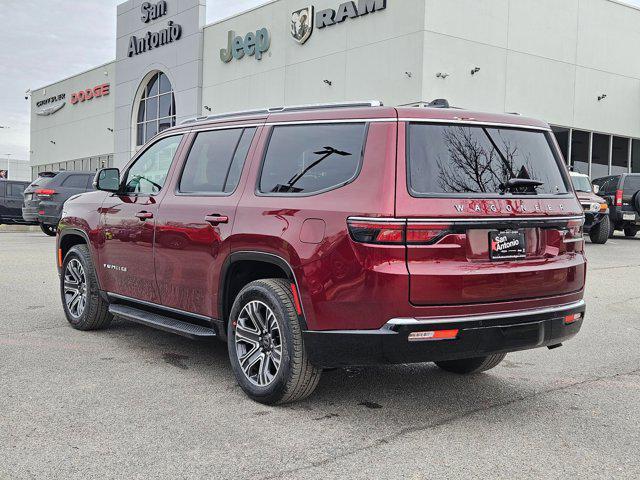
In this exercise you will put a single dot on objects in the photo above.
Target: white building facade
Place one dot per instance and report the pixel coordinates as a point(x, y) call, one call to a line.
point(554, 60)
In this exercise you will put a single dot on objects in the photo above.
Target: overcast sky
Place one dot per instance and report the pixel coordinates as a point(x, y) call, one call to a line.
point(42, 41)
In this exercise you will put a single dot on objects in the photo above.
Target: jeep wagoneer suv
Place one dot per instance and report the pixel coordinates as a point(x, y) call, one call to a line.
point(316, 237)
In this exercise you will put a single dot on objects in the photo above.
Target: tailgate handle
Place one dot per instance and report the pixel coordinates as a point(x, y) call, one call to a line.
point(216, 219)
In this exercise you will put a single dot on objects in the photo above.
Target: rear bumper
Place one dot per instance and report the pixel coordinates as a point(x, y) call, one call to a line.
point(30, 214)
point(478, 336)
point(48, 213)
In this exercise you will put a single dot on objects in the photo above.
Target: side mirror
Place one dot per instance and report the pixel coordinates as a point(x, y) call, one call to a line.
point(596, 189)
point(107, 180)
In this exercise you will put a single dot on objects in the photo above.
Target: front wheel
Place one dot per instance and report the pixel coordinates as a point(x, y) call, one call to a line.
point(84, 307)
point(469, 366)
point(600, 233)
point(266, 347)
point(48, 229)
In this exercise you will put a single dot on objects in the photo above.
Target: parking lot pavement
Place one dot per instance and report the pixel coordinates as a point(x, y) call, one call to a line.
point(131, 402)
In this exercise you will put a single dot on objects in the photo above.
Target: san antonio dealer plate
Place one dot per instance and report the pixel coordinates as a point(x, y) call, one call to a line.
point(507, 245)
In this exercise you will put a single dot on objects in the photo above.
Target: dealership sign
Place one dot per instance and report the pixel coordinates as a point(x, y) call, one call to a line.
point(90, 94)
point(302, 20)
point(151, 40)
point(251, 45)
point(50, 105)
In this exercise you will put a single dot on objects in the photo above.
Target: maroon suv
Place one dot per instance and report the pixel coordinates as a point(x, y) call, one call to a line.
point(333, 236)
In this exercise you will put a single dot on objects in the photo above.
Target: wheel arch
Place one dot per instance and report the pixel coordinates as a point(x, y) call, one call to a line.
point(241, 268)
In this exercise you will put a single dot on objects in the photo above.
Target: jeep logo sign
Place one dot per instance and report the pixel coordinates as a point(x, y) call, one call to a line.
point(252, 45)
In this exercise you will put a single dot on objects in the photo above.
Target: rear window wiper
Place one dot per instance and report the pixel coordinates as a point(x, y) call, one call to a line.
point(516, 184)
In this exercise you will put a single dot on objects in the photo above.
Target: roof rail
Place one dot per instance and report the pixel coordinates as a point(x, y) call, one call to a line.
point(293, 108)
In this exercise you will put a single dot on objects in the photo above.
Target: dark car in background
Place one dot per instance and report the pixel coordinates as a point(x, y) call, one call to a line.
point(622, 194)
point(596, 209)
point(44, 198)
point(11, 202)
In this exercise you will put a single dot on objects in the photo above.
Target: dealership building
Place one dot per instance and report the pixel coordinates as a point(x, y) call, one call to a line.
point(571, 63)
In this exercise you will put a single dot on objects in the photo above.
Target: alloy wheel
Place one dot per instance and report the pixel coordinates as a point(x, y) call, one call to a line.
point(75, 288)
point(258, 343)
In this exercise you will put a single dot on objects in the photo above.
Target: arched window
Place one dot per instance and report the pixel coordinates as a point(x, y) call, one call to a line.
point(157, 109)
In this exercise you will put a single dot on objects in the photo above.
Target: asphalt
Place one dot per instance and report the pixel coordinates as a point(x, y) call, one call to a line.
point(135, 403)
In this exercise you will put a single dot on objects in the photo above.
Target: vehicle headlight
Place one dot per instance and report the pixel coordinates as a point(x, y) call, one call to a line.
point(595, 207)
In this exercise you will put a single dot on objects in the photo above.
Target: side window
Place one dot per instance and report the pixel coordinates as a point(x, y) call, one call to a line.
point(148, 174)
point(75, 181)
point(631, 184)
point(306, 159)
point(16, 190)
point(2, 189)
point(215, 161)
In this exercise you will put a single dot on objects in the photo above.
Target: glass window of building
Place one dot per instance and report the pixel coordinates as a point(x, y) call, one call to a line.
point(157, 108)
point(635, 156)
point(562, 136)
point(620, 156)
point(580, 151)
point(600, 155)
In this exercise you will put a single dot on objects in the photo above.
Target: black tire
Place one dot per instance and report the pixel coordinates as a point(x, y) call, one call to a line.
point(469, 366)
point(295, 378)
point(48, 229)
point(600, 233)
point(95, 314)
point(630, 232)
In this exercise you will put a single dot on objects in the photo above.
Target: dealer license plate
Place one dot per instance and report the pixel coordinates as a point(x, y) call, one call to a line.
point(629, 216)
point(507, 245)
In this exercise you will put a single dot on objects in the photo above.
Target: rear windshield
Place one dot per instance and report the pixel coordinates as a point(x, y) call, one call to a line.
point(631, 184)
point(453, 159)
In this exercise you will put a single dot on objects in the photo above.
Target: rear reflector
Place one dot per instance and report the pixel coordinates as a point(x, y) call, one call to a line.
point(433, 336)
point(573, 318)
point(296, 299)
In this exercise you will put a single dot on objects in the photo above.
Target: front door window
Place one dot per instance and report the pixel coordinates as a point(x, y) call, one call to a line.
point(148, 174)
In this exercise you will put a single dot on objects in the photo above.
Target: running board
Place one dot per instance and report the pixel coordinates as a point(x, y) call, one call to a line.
point(161, 322)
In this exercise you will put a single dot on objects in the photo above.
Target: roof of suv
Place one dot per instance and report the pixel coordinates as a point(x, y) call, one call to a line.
point(348, 112)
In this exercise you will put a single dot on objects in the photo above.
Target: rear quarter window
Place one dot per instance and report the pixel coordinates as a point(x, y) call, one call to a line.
point(631, 184)
point(76, 181)
point(310, 159)
point(475, 160)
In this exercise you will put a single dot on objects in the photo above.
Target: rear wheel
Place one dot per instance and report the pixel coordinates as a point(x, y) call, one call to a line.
point(468, 366)
point(630, 232)
point(84, 307)
point(600, 233)
point(48, 229)
point(265, 344)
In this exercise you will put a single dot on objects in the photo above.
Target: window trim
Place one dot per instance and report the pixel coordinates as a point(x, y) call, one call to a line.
point(194, 136)
point(490, 196)
point(145, 148)
point(354, 177)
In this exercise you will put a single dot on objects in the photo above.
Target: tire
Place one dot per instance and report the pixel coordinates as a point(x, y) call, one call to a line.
point(469, 366)
point(295, 378)
point(630, 232)
point(600, 233)
point(48, 229)
point(94, 315)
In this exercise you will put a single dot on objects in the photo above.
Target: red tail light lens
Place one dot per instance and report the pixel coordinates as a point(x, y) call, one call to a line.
point(395, 232)
point(377, 232)
point(618, 198)
point(420, 234)
point(45, 192)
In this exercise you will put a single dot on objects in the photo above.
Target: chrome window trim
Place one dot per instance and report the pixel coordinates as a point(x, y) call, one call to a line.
point(477, 123)
point(394, 322)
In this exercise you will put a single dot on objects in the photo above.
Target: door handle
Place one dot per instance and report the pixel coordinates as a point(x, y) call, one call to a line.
point(216, 219)
point(144, 215)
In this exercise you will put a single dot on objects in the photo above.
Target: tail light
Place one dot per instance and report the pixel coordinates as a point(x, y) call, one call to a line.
point(574, 234)
point(45, 192)
point(396, 232)
point(618, 198)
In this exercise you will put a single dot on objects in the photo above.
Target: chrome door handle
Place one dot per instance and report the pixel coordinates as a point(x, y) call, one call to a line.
point(144, 215)
point(216, 219)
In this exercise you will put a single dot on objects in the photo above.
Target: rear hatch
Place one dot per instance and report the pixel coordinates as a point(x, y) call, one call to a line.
point(490, 215)
point(38, 190)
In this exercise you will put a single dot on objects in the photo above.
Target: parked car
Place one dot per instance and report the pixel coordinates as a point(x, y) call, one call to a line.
point(341, 236)
point(621, 193)
point(43, 199)
point(596, 209)
point(10, 202)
